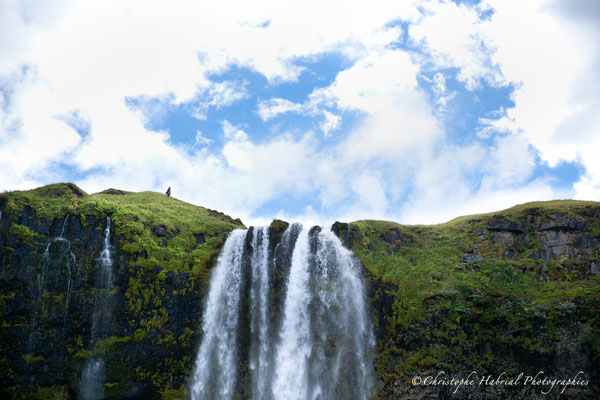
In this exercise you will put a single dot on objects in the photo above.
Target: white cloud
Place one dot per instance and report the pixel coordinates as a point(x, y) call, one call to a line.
point(201, 140)
point(454, 35)
point(271, 108)
point(70, 66)
point(218, 95)
point(551, 52)
point(331, 122)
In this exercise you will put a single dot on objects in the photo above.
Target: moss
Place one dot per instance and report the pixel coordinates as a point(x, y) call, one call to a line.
point(49, 393)
point(139, 334)
point(433, 310)
point(107, 345)
point(170, 393)
point(23, 233)
point(30, 358)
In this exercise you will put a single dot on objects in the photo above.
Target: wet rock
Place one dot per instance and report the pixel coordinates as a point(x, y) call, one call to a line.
point(314, 231)
point(45, 225)
point(276, 230)
point(75, 223)
point(27, 218)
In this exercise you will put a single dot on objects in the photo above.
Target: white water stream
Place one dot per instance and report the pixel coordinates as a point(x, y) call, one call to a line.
point(322, 348)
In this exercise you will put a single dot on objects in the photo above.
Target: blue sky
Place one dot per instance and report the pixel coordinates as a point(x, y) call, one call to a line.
point(415, 111)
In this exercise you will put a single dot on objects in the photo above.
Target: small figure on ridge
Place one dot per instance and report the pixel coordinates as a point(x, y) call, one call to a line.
point(169, 192)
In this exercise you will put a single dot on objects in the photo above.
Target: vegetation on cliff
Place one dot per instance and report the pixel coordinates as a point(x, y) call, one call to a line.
point(513, 291)
point(165, 249)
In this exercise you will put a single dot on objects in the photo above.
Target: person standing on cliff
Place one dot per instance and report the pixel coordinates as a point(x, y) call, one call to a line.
point(169, 192)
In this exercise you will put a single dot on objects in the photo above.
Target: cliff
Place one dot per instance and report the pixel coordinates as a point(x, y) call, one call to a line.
point(512, 292)
point(163, 250)
point(515, 291)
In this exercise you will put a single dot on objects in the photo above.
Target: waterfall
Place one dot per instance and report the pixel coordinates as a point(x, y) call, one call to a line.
point(91, 386)
point(259, 363)
point(293, 350)
point(314, 341)
point(57, 261)
point(216, 371)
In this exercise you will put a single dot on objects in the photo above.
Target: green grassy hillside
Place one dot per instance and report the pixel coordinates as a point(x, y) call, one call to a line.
point(500, 292)
point(164, 250)
point(512, 291)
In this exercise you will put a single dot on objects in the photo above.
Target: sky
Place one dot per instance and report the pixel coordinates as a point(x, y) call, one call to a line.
point(410, 111)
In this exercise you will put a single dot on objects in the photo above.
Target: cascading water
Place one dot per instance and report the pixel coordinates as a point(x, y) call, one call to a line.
point(57, 261)
point(91, 386)
point(294, 347)
point(320, 345)
point(259, 362)
point(216, 371)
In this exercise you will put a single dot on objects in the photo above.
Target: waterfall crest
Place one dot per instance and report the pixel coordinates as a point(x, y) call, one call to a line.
point(310, 333)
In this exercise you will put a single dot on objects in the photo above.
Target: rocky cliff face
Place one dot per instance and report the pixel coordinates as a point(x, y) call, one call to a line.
point(504, 293)
point(517, 291)
point(49, 249)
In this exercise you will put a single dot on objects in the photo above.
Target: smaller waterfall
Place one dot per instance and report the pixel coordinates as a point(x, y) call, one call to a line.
point(92, 379)
point(216, 370)
point(57, 257)
point(67, 246)
point(91, 386)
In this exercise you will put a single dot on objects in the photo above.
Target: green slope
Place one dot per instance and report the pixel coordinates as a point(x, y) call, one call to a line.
point(509, 310)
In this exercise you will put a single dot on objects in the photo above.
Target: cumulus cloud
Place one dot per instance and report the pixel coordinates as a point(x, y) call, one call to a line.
point(68, 73)
point(269, 109)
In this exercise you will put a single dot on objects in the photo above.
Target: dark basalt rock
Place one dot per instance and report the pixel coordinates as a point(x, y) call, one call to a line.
point(502, 224)
point(347, 233)
point(276, 230)
point(472, 256)
point(199, 237)
point(563, 223)
point(159, 230)
point(314, 231)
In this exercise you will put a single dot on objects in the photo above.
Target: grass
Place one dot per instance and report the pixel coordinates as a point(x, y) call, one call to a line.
point(427, 260)
point(435, 312)
point(165, 249)
point(135, 219)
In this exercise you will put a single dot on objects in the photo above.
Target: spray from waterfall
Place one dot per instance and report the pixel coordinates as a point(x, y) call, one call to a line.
point(311, 337)
point(91, 386)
